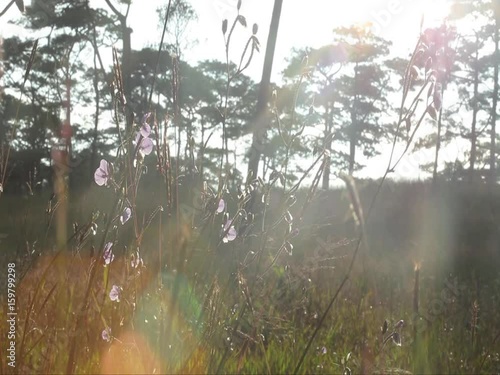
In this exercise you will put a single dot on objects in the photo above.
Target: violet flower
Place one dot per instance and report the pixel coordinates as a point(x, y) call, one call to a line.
point(221, 206)
point(125, 216)
point(102, 173)
point(106, 334)
point(230, 232)
point(145, 144)
point(114, 294)
point(145, 130)
point(108, 253)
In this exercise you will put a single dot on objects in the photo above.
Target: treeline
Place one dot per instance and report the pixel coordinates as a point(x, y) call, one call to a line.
point(337, 99)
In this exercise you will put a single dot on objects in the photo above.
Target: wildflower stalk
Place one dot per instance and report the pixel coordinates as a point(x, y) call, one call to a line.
point(81, 315)
point(167, 16)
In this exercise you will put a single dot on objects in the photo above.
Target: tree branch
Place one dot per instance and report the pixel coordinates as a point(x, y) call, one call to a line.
point(7, 8)
point(120, 16)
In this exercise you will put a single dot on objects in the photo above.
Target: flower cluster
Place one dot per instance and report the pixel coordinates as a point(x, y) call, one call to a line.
point(144, 144)
point(228, 232)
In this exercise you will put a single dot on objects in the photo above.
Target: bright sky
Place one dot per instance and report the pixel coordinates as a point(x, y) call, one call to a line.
point(303, 23)
point(309, 23)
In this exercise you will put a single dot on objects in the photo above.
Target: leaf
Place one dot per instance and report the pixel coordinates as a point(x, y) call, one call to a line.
point(282, 179)
point(437, 99)
point(255, 28)
point(384, 327)
point(408, 127)
point(428, 65)
point(239, 5)
point(415, 72)
point(20, 5)
point(224, 27)
point(431, 90)
point(396, 339)
point(30, 61)
point(242, 20)
point(419, 54)
point(289, 248)
point(432, 112)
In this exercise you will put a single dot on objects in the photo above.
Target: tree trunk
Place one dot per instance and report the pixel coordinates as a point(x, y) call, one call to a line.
point(352, 153)
point(496, 62)
point(328, 143)
point(475, 102)
point(438, 144)
point(260, 122)
point(354, 125)
point(93, 157)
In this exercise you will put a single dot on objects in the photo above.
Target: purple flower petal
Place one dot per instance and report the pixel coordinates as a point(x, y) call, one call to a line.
point(106, 334)
point(222, 206)
point(294, 233)
point(145, 118)
point(146, 146)
point(114, 294)
point(125, 216)
point(230, 232)
point(145, 130)
point(108, 253)
point(101, 174)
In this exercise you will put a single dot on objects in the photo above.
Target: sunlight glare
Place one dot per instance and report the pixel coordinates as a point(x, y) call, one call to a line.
point(393, 19)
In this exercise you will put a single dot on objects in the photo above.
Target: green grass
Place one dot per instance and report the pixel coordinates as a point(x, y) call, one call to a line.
point(212, 314)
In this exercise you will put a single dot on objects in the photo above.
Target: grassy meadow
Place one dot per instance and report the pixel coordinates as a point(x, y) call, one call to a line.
point(430, 259)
